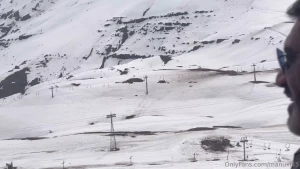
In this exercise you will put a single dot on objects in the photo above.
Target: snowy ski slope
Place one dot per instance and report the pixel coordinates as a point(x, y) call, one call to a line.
point(202, 49)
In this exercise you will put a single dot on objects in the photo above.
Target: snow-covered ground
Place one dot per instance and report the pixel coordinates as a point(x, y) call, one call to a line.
point(81, 50)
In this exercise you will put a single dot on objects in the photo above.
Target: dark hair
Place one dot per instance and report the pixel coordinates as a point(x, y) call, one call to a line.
point(294, 10)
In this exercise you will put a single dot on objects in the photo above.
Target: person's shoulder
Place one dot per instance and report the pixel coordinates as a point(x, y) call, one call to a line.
point(296, 161)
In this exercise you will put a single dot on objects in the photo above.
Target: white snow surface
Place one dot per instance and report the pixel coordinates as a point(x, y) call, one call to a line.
point(81, 47)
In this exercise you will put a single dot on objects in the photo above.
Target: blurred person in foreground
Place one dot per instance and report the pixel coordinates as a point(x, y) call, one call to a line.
point(289, 77)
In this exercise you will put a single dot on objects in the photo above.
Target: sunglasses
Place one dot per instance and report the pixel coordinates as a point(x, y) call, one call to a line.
point(284, 62)
point(285, 59)
point(281, 56)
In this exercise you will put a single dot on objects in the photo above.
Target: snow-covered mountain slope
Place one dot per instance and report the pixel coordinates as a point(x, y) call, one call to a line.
point(49, 39)
point(197, 55)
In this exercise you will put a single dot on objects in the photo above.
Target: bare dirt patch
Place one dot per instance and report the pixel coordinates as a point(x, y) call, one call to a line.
point(133, 80)
point(228, 127)
point(216, 144)
point(130, 117)
point(258, 82)
point(221, 72)
point(29, 138)
point(201, 129)
point(125, 133)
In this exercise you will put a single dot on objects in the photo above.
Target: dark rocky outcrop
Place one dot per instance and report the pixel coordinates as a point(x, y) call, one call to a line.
point(220, 40)
point(263, 61)
point(175, 14)
point(124, 72)
point(109, 49)
point(159, 28)
point(139, 20)
point(22, 37)
point(124, 37)
point(36, 6)
point(5, 31)
point(14, 83)
point(146, 11)
point(14, 31)
point(131, 33)
point(169, 28)
point(17, 16)
point(133, 80)
point(203, 12)
point(76, 84)
point(34, 82)
point(103, 63)
point(129, 56)
point(90, 54)
point(23, 63)
point(7, 15)
point(196, 48)
point(185, 24)
point(130, 117)
point(71, 76)
point(208, 42)
point(10, 15)
point(4, 43)
point(236, 41)
point(44, 62)
point(165, 58)
point(26, 17)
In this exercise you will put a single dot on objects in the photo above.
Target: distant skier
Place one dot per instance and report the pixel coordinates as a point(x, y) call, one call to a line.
point(289, 76)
